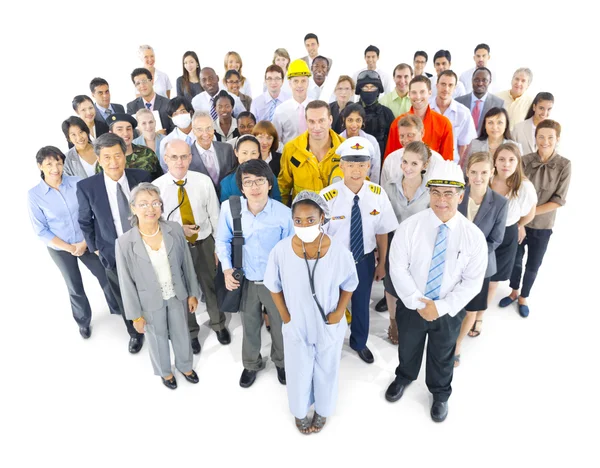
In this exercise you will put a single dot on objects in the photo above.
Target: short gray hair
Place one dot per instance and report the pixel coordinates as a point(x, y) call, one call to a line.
point(142, 48)
point(525, 70)
point(143, 187)
point(199, 114)
point(108, 140)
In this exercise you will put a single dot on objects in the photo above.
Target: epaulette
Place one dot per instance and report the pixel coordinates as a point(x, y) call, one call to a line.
point(376, 189)
point(330, 195)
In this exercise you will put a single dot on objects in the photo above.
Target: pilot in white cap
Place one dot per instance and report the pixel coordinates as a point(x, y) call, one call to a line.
point(355, 149)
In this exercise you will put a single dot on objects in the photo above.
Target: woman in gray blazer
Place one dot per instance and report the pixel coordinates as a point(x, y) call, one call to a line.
point(488, 210)
point(494, 132)
point(80, 160)
point(158, 283)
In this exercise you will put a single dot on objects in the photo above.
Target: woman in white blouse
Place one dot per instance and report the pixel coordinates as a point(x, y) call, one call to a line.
point(233, 61)
point(509, 181)
point(158, 283)
point(524, 132)
point(161, 83)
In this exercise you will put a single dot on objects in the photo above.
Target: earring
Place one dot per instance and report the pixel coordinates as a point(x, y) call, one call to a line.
point(423, 172)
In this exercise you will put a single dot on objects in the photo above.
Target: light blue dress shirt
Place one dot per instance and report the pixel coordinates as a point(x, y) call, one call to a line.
point(261, 233)
point(54, 213)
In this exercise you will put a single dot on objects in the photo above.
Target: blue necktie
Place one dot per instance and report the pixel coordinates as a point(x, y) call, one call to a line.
point(436, 269)
point(213, 111)
point(357, 246)
point(272, 109)
point(148, 105)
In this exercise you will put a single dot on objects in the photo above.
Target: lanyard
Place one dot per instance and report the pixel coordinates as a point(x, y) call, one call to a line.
point(311, 277)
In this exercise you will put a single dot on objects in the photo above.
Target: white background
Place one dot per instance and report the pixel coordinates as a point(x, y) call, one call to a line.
point(526, 392)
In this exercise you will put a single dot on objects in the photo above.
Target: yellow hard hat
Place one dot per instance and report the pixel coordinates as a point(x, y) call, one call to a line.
point(298, 68)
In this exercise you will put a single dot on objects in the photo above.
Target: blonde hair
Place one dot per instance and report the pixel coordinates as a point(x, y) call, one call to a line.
point(480, 156)
point(343, 78)
point(239, 59)
point(281, 52)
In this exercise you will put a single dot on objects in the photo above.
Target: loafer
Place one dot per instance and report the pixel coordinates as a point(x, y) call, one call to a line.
point(135, 344)
point(281, 375)
point(381, 306)
point(506, 301)
point(439, 410)
point(366, 355)
point(523, 310)
point(395, 391)
point(85, 332)
point(248, 377)
point(192, 378)
point(223, 336)
point(195, 346)
point(171, 383)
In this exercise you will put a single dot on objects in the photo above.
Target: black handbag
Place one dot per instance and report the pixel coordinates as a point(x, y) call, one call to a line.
point(229, 301)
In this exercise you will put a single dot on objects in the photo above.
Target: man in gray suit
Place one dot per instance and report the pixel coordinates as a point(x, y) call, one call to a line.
point(311, 42)
point(213, 158)
point(101, 93)
point(480, 101)
point(143, 82)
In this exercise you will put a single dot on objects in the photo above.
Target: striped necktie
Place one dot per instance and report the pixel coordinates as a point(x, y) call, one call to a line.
point(436, 268)
point(274, 103)
point(149, 105)
point(213, 111)
point(185, 209)
point(357, 246)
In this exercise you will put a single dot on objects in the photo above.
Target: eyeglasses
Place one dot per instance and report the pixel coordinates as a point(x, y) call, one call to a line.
point(277, 78)
point(155, 204)
point(176, 157)
point(141, 82)
point(258, 182)
point(445, 195)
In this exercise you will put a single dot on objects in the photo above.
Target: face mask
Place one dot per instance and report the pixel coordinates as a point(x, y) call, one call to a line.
point(369, 97)
point(308, 234)
point(182, 120)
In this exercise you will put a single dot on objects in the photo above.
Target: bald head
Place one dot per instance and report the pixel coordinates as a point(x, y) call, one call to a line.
point(209, 81)
point(178, 157)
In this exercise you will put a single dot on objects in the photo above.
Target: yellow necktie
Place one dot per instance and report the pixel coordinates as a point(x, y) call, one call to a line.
point(185, 208)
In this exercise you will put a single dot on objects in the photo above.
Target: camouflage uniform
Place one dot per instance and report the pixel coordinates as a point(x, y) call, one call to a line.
point(142, 158)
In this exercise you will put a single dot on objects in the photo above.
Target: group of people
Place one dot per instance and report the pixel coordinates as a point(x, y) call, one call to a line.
point(297, 198)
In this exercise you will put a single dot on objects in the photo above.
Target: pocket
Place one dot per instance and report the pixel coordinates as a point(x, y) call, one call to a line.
point(269, 236)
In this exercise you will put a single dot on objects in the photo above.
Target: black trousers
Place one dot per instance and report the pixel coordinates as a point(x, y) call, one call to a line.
point(69, 268)
point(536, 241)
point(441, 343)
point(113, 283)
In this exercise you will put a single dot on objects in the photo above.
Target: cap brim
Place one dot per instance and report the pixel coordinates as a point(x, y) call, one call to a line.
point(356, 158)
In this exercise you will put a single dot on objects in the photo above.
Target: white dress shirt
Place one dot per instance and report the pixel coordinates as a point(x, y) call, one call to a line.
point(177, 134)
point(465, 262)
point(232, 128)
point(392, 166)
point(162, 84)
point(376, 212)
point(286, 119)
point(202, 196)
point(261, 106)
point(463, 127)
point(111, 190)
point(202, 103)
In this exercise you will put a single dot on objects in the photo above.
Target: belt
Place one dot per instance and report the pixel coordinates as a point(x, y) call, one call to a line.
point(255, 282)
point(197, 243)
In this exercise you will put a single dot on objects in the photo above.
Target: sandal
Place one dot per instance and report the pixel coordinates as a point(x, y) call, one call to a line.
point(318, 422)
point(473, 332)
point(393, 332)
point(303, 425)
point(456, 360)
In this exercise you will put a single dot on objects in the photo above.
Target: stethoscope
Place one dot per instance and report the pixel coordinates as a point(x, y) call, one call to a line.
point(182, 197)
point(311, 276)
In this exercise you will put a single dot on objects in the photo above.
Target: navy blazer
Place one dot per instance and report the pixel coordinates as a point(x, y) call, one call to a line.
point(118, 108)
point(161, 104)
point(491, 219)
point(95, 217)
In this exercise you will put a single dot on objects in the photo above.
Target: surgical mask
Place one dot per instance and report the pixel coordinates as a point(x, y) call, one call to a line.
point(308, 234)
point(369, 97)
point(182, 120)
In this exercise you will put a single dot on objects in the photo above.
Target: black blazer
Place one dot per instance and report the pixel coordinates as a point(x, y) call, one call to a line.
point(161, 104)
point(95, 217)
point(491, 219)
point(275, 163)
point(118, 108)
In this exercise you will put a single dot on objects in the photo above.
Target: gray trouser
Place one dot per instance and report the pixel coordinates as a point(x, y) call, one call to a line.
point(170, 321)
point(203, 256)
point(254, 296)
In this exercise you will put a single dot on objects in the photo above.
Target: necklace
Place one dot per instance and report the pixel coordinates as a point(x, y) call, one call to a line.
point(149, 235)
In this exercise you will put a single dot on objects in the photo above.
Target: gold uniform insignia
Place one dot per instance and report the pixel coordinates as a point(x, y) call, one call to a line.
point(376, 189)
point(374, 213)
point(330, 195)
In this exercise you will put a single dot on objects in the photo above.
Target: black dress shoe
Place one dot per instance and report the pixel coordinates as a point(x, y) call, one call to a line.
point(366, 355)
point(394, 391)
point(439, 410)
point(171, 383)
point(85, 332)
point(135, 344)
point(195, 346)
point(223, 336)
point(192, 378)
point(381, 306)
point(281, 374)
point(247, 379)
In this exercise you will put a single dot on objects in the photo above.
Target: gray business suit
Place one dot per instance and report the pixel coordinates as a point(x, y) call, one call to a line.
point(225, 156)
point(142, 296)
point(490, 101)
point(491, 219)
